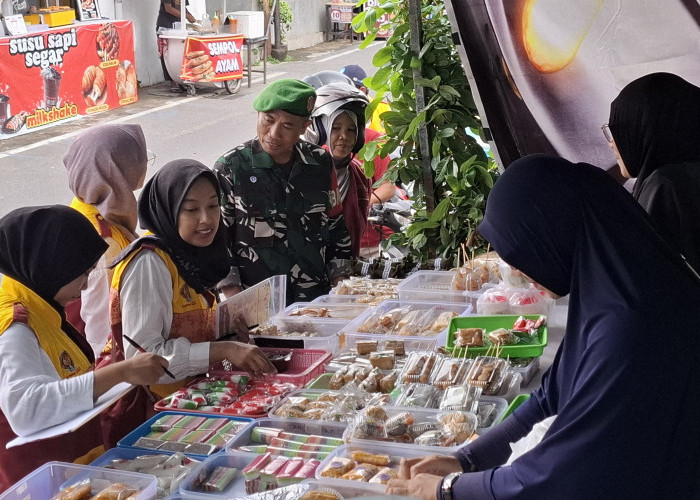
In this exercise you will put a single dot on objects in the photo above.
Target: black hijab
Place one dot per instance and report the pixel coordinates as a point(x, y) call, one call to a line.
point(630, 334)
point(159, 205)
point(45, 248)
point(655, 121)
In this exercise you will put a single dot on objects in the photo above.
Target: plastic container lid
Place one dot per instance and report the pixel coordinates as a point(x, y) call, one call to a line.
point(190, 486)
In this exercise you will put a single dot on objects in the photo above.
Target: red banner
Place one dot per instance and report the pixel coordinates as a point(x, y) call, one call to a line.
point(62, 73)
point(212, 59)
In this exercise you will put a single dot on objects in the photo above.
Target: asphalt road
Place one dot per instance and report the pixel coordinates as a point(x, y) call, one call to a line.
point(176, 126)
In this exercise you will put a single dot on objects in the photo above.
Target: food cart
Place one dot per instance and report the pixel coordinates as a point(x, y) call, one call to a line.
point(203, 57)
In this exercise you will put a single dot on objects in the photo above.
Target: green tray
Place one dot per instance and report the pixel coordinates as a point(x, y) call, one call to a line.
point(529, 348)
point(517, 401)
point(320, 382)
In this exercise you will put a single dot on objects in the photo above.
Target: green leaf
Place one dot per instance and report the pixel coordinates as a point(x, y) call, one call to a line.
point(446, 132)
point(440, 210)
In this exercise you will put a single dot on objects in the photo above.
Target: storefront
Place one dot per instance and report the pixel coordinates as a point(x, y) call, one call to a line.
point(63, 73)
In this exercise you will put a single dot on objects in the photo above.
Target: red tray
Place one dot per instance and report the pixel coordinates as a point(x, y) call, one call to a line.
point(305, 365)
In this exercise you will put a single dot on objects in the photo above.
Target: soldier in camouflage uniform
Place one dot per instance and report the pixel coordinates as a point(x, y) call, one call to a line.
point(280, 201)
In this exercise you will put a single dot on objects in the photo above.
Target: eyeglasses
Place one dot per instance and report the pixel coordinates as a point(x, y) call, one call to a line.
point(150, 158)
point(606, 133)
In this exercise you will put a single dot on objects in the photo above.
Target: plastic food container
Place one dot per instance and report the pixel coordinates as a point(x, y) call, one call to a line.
point(527, 346)
point(330, 311)
point(328, 429)
point(395, 453)
point(191, 485)
point(435, 286)
point(427, 339)
point(339, 299)
point(527, 367)
point(129, 441)
point(304, 366)
point(423, 421)
point(490, 411)
point(52, 477)
point(323, 333)
point(313, 395)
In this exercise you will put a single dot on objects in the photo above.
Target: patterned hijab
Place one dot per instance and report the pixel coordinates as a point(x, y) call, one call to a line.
point(105, 166)
point(655, 121)
point(159, 206)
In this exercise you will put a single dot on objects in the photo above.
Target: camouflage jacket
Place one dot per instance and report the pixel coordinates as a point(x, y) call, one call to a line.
point(279, 225)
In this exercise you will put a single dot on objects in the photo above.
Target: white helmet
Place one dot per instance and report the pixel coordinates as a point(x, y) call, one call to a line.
point(330, 98)
point(321, 78)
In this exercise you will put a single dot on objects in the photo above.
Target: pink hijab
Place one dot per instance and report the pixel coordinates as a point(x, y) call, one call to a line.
point(105, 166)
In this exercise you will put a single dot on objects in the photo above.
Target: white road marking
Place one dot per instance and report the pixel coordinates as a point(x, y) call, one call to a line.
point(341, 54)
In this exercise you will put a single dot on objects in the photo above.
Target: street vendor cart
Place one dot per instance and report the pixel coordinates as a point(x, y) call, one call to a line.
point(203, 57)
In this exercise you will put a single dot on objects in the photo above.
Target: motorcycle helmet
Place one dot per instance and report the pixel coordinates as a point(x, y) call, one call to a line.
point(331, 98)
point(318, 80)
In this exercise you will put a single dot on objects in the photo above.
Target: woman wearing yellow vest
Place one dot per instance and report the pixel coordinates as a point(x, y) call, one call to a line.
point(162, 286)
point(46, 377)
point(105, 165)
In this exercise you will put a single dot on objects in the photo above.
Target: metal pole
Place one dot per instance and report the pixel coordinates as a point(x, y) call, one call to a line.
point(414, 18)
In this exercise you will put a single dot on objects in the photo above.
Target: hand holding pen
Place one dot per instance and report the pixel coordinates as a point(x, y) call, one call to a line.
point(142, 350)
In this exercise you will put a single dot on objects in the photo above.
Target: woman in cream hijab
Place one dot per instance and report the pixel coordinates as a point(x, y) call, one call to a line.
point(105, 164)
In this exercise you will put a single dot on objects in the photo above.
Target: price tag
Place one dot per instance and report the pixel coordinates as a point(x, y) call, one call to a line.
point(15, 25)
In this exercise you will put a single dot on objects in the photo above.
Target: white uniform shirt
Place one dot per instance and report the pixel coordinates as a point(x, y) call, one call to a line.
point(146, 299)
point(33, 396)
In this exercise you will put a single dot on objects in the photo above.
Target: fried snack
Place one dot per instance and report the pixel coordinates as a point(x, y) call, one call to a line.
point(76, 492)
point(371, 383)
point(501, 336)
point(363, 472)
point(399, 424)
point(366, 346)
point(469, 337)
point(442, 321)
point(384, 476)
point(410, 324)
point(362, 457)
point(383, 360)
point(126, 81)
point(376, 412)
point(321, 495)
point(15, 123)
point(337, 467)
point(395, 345)
point(313, 312)
point(451, 371)
point(488, 373)
point(107, 42)
point(116, 491)
point(388, 383)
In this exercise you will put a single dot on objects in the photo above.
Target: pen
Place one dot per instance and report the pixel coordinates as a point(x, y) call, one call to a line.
point(229, 335)
point(141, 349)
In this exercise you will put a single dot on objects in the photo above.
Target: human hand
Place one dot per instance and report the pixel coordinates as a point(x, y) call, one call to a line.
point(199, 64)
point(239, 328)
point(423, 486)
point(144, 368)
point(432, 464)
point(249, 358)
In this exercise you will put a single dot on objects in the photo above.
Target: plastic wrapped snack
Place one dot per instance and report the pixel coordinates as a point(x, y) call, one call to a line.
point(399, 424)
point(488, 373)
point(450, 371)
point(461, 398)
point(410, 324)
point(395, 345)
point(501, 336)
point(370, 458)
point(365, 427)
point(529, 301)
point(383, 360)
point(469, 337)
point(362, 472)
point(429, 438)
point(371, 383)
point(384, 475)
point(418, 367)
point(419, 395)
point(388, 382)
point(457, 427)
point(366, 346)
point(383, 322)
point(337, 467)
point(442, 321)
point(322, 494)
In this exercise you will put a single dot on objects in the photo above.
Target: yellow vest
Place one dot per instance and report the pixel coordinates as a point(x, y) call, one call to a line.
point(193, 314)
point(68, 359)
point(104, 227)
point(376, 122)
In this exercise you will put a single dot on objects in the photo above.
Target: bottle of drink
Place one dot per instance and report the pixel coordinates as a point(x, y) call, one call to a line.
point(215, 21)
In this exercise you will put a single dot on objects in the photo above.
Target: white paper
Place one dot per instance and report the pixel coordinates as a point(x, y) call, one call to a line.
point(15, 24)
point(107, 399)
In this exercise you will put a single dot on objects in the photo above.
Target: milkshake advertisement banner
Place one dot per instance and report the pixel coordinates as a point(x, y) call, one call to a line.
point(212, 59)
point(63, 73)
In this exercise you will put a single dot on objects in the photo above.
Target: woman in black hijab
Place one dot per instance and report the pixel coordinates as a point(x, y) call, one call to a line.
point(655, 127)
point(623, 383)
point(46, 377)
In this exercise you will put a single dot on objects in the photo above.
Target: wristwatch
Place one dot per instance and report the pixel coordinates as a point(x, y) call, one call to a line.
point(447, 482)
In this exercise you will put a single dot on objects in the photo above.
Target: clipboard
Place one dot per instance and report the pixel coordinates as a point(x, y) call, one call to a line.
point(104, 401)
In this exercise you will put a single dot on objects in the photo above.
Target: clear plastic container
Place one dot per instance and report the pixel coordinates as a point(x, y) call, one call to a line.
point(258, 304)
point(52, 477)
point(191, 487)
point(329, 311)
point(328, 429)
point(490, 411)
point(324, 333)
point(338, 299)
point(527, 367)
point(427, 337)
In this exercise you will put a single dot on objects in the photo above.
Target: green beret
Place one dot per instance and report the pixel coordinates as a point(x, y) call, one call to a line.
point(290, 95)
